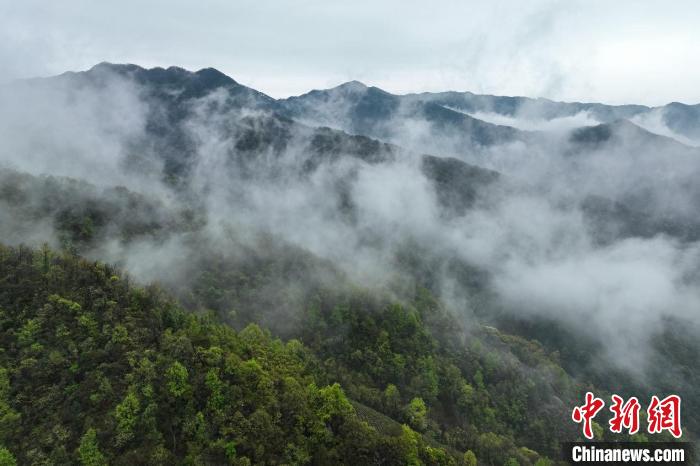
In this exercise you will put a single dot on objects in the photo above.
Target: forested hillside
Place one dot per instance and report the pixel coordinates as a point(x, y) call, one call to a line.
point(96, 368)
point(193, 272)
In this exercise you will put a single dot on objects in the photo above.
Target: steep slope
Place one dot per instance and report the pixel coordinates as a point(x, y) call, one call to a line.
point(111, 373)
point(96, 368)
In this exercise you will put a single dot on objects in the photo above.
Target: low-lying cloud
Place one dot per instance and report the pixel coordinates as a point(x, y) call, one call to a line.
point(528, 233)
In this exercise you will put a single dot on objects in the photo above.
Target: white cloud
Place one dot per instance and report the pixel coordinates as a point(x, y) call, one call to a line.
point(653, 121)
point(538, 124)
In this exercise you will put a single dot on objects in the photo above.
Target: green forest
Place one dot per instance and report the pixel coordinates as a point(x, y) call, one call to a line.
point(96, 369)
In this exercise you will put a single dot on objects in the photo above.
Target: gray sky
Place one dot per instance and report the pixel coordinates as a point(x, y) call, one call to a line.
point(615, 51)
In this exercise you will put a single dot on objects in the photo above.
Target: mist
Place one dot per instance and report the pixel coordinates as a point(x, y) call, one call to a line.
point(538, 123)
point(532, 233)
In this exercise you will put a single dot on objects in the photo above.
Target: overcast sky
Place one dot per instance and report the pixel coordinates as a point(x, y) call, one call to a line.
point(612, 51)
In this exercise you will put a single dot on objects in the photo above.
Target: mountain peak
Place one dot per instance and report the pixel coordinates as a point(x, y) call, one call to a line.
point(208, 75)
point(214, 76)
point(118, 67)
point(352, 86)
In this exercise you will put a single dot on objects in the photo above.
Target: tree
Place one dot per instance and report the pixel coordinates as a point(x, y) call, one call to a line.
point(7, 458)
point(126, 414)
point(8, 417)
point(333, 403)
point(417, 414)
point(176, 377)
point(409, 442)
point(492, 448)
point(89, 451)
point(425, 382)
point(392, 398)
point(466, 395)
point(469, 458)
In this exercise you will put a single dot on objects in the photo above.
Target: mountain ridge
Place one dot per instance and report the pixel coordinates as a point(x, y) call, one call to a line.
point(374, 105)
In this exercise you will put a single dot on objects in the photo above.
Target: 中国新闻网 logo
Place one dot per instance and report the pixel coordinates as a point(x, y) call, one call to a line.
point(662, 415)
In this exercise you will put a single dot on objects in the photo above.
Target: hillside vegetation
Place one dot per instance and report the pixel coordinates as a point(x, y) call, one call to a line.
point(98, 370)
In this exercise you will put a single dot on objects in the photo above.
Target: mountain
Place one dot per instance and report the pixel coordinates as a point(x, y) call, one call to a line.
point(533, 108)
point(122, 375)
point(358, 109)
point(683, 119)
point(344, 274)
point(450, 123)
point(126, 376)
point(679, 118)
point(173, 84)
point(623, 132)
point(256, 124)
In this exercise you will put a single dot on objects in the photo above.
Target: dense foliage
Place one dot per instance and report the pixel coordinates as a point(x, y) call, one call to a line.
point(95, 370)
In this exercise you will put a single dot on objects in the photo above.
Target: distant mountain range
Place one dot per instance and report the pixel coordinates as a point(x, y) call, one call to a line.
point(375, 126)
point(369, 104)
point(371, 111)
